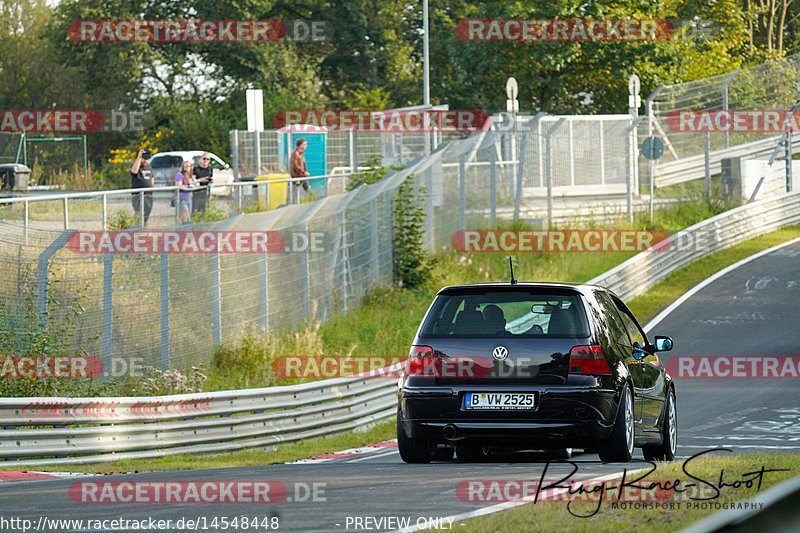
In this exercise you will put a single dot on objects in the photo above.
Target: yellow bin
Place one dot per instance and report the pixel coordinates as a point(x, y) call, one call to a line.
point(277, 191)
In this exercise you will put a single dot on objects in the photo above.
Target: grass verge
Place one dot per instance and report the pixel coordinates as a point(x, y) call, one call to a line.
point(672, 512)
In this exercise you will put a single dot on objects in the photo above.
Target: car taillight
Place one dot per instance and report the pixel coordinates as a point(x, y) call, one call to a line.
point(588, 360)
point(420, 361)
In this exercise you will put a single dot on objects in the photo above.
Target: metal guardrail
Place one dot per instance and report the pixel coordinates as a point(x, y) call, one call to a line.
point(693, 167)
point(91, 430)
point(644, 270)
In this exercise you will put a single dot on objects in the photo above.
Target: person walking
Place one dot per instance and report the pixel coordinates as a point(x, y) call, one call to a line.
point(297, 165)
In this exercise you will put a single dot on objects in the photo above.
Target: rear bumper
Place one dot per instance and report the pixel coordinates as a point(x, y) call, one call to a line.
point(565, 416)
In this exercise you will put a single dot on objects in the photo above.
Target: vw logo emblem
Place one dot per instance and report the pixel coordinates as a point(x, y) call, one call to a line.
point(500, 353)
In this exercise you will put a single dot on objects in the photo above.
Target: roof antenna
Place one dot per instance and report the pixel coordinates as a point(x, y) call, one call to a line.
point(511, 266)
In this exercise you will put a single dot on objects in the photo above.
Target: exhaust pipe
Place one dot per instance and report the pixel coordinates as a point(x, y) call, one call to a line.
point(450, 432)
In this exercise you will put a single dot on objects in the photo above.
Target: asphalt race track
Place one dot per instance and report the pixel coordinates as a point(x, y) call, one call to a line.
point(751, 312)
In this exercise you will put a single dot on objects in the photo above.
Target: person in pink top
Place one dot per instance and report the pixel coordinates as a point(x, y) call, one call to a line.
point(186, 179)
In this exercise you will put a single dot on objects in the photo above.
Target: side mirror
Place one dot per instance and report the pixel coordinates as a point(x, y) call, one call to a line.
point(662, 344)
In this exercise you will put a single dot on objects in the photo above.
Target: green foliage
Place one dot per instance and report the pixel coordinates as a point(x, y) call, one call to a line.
point(27, 332)
point(122, 219)
point(411, 265)
point(374, 172)
point(212, 213)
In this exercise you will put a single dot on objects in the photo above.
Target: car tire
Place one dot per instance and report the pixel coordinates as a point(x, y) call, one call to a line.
point(471, 452)
point(669, 433)
point(619, 446)
point(412, 450)
point(443, 453)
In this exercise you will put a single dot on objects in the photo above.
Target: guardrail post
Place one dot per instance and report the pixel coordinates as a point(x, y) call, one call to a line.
point(493, 186)
point(108, 308)
point(164, 268)
point(216, 301)
point(462, 192)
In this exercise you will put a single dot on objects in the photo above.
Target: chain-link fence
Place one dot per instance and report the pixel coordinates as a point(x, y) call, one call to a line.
point(172, 307)
point(768, 86)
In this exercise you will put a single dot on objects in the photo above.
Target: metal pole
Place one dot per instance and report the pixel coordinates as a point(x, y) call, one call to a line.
point(307, 276)
point(462, 192)
point(141, 208)
point(216, 301)
point(105, 211)
point(602, 159)
point(66, 213)
point(725, 98)
point(164, 312)
point(520, 171)
point(648, 104)
point(373, 251)
point(85, 159)
point(493, 186)
point(108, 308)
point(264, 285)
point(707, 163)
point(426, 89)
point(257, 147)
point(789, 158)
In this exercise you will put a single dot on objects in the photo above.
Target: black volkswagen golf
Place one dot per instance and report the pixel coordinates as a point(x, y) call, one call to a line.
point(540, 366)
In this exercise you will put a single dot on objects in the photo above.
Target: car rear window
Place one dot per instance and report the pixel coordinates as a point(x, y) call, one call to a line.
point(506, 315)
point(167, 161)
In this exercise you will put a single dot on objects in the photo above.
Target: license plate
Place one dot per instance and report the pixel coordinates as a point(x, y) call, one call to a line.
point(499, 400)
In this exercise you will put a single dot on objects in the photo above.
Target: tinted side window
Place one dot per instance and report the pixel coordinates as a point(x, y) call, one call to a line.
point(168, 161)
point(633, 330)
point(615, 326)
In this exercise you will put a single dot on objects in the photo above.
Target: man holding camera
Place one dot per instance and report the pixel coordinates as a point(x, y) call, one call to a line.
point(142, 178)
point(205, 176)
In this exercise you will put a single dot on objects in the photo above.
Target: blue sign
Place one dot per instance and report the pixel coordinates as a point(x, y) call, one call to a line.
point(652, 148)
